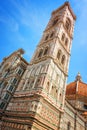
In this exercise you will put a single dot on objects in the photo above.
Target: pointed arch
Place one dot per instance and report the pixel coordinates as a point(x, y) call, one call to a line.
point(52, 34)
point(47, 36)
point(59, 54)
point(46, 50)
point(63, 37)
point(68, 126)
point(55, 21)
point(63, 59)
point(40, 53)
point(66, 42)
point(68, 24)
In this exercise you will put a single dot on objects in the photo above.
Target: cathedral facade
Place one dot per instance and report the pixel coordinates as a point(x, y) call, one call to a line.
point(34, 95)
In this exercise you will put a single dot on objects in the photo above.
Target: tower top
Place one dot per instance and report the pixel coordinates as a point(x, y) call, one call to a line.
point(78, 77)
point(66, 4)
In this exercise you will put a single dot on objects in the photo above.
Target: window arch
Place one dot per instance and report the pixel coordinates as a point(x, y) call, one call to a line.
point(66, 42)
point(35, 107)
point(46, 50)
point(63, 37)
point(55, 21)
point(68, 126)
point(59, 54)
point(68, 24)
point(63, 59)
point(52, 34)
point(40, 53)
point(46, 38)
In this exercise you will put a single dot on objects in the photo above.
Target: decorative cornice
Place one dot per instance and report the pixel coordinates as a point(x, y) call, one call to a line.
point(54, 60)
point(68, 5)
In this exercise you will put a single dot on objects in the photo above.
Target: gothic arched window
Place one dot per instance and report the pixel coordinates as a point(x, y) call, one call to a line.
point(66, 42)
point(63, 37)
point(59, 54)
point(68, 126)
point(55, 21)
point(68, 24)
point(40, 53)
point(46, 38)
point(63, 59)
point(35, 107)
point(52, 34)
point(46, 51)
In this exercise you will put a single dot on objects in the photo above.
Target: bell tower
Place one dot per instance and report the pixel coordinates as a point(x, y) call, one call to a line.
point(51, 58)
point(41, 92)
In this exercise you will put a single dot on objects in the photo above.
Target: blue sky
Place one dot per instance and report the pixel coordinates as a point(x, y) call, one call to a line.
point(22, 23)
